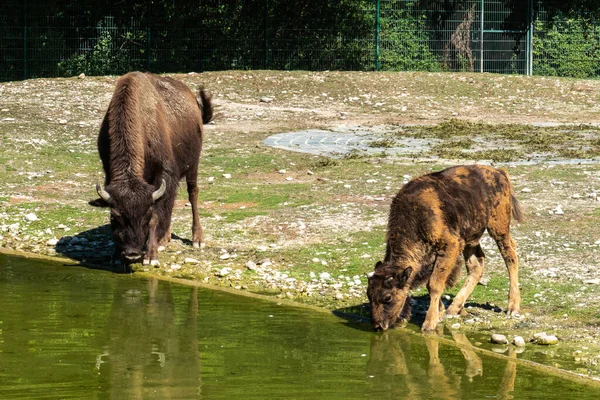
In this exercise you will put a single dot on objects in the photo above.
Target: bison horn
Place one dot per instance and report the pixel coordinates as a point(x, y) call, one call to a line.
point(102, 193)
point(161, 190)
point(370, 274)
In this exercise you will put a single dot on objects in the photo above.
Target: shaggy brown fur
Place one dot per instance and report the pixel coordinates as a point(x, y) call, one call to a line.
point(150, 138)
point(433, 220)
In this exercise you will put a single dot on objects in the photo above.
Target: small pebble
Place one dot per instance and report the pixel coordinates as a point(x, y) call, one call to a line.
point(498, 339)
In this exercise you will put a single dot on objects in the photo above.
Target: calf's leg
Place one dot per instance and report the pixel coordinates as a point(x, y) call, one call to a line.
point(442, 270)
point(474, 262)
point(508, 250)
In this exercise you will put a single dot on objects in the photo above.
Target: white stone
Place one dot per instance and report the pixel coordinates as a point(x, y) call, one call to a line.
point(592, 281)
point(519, 341)
point(52, 242)
point(224, 271)
point(227, 176)
point(225, 256)
point(175, 266)
point(325, 275)
point(547, 340)
point(455, 326)
point(499, 339)
point(282, 171)
point(251, 265)
point(31, 217)
point(189, 260)
point(526, 190)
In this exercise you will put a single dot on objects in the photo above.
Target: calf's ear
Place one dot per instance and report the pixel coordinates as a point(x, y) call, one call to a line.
point(99, 202)
point(402, 277)
point(378, 265)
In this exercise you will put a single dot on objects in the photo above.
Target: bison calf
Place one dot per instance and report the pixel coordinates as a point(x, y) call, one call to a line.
point(433, 220)
point(150, 138)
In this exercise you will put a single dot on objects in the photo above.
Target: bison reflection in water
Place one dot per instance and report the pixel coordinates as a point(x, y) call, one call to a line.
point(433, 220)
point(150, 138)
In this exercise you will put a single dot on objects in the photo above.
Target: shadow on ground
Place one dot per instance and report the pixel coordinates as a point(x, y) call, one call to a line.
point(92, 249)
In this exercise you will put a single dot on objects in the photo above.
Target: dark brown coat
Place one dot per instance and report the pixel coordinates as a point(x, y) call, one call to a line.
point(150, 138)
point(433, 220)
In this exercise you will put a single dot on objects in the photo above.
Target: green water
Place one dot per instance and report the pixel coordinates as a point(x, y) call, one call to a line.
point(72, 333)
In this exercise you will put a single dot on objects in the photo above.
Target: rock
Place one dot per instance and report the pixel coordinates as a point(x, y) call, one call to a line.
point(62, 121)
point(52, 242)
point(455, 326)
point(251, 265)
point(266, 99)
point(547, 340)
point(81, 76)
point(558, 210)
point(519, 341)
point(31, 217)
point(339, 296)
point(538, 335)
point(325, 275)
point(282, 171)
point(309, 172)
point(592, 281)
point(189, 260)
point(498, 339)
point(224, 272)
point(175, 266)
point(526, 190)
point(227, 176)
point(225, 256)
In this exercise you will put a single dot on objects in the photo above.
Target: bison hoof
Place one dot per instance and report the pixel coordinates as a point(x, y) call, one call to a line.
point(155, 263)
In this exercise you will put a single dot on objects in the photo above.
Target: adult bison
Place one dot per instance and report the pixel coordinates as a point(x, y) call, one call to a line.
point(150, 138)
point(433, 220)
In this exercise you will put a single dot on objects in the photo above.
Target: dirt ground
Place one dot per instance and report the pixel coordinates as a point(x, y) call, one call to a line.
point(308, 227)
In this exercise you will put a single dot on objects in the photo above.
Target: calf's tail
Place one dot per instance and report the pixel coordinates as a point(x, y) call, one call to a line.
point(205, 104)
point(517, 211)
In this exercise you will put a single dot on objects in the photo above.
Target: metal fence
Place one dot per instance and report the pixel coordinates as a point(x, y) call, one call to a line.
point(39, 39)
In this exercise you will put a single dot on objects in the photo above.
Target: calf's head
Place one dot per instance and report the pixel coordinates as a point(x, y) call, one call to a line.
point(388, 295)
point(130, 215)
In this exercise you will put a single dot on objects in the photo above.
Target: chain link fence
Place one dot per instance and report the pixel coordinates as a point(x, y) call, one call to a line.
point(65, 38)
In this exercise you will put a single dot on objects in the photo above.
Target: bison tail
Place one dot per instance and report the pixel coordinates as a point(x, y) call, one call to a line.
point(517, 211)
point(205, 104)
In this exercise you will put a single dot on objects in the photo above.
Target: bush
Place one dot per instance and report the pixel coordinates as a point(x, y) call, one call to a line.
point(566, 48)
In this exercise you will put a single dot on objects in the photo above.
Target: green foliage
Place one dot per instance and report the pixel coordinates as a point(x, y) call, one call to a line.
point(566, 48)
point(104, 59)
point(405, 42)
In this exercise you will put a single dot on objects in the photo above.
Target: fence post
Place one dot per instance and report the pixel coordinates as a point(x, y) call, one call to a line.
point(377, 31)
point(266, 24)
point(529, 39)
point(25, 40)
point(148, 48)
point(482, 27)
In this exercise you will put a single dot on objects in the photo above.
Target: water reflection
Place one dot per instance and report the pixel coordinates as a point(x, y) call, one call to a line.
point(77, 333)
point(449, 373)
point(146, 349)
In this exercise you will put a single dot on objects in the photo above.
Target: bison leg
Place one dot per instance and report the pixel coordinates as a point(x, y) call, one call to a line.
point(192, 188)
point(474, 257)
point(151, 256)
point(442, 270)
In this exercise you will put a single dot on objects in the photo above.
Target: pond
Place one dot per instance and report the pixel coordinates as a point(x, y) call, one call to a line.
point(69, 332)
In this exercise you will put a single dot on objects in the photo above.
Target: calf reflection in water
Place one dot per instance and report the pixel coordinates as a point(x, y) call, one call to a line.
point(150, 353)
point(420, 372)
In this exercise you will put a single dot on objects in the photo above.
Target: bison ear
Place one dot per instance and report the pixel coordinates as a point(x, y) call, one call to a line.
point(379, 265)
point(100, 202)
point(403, 276)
